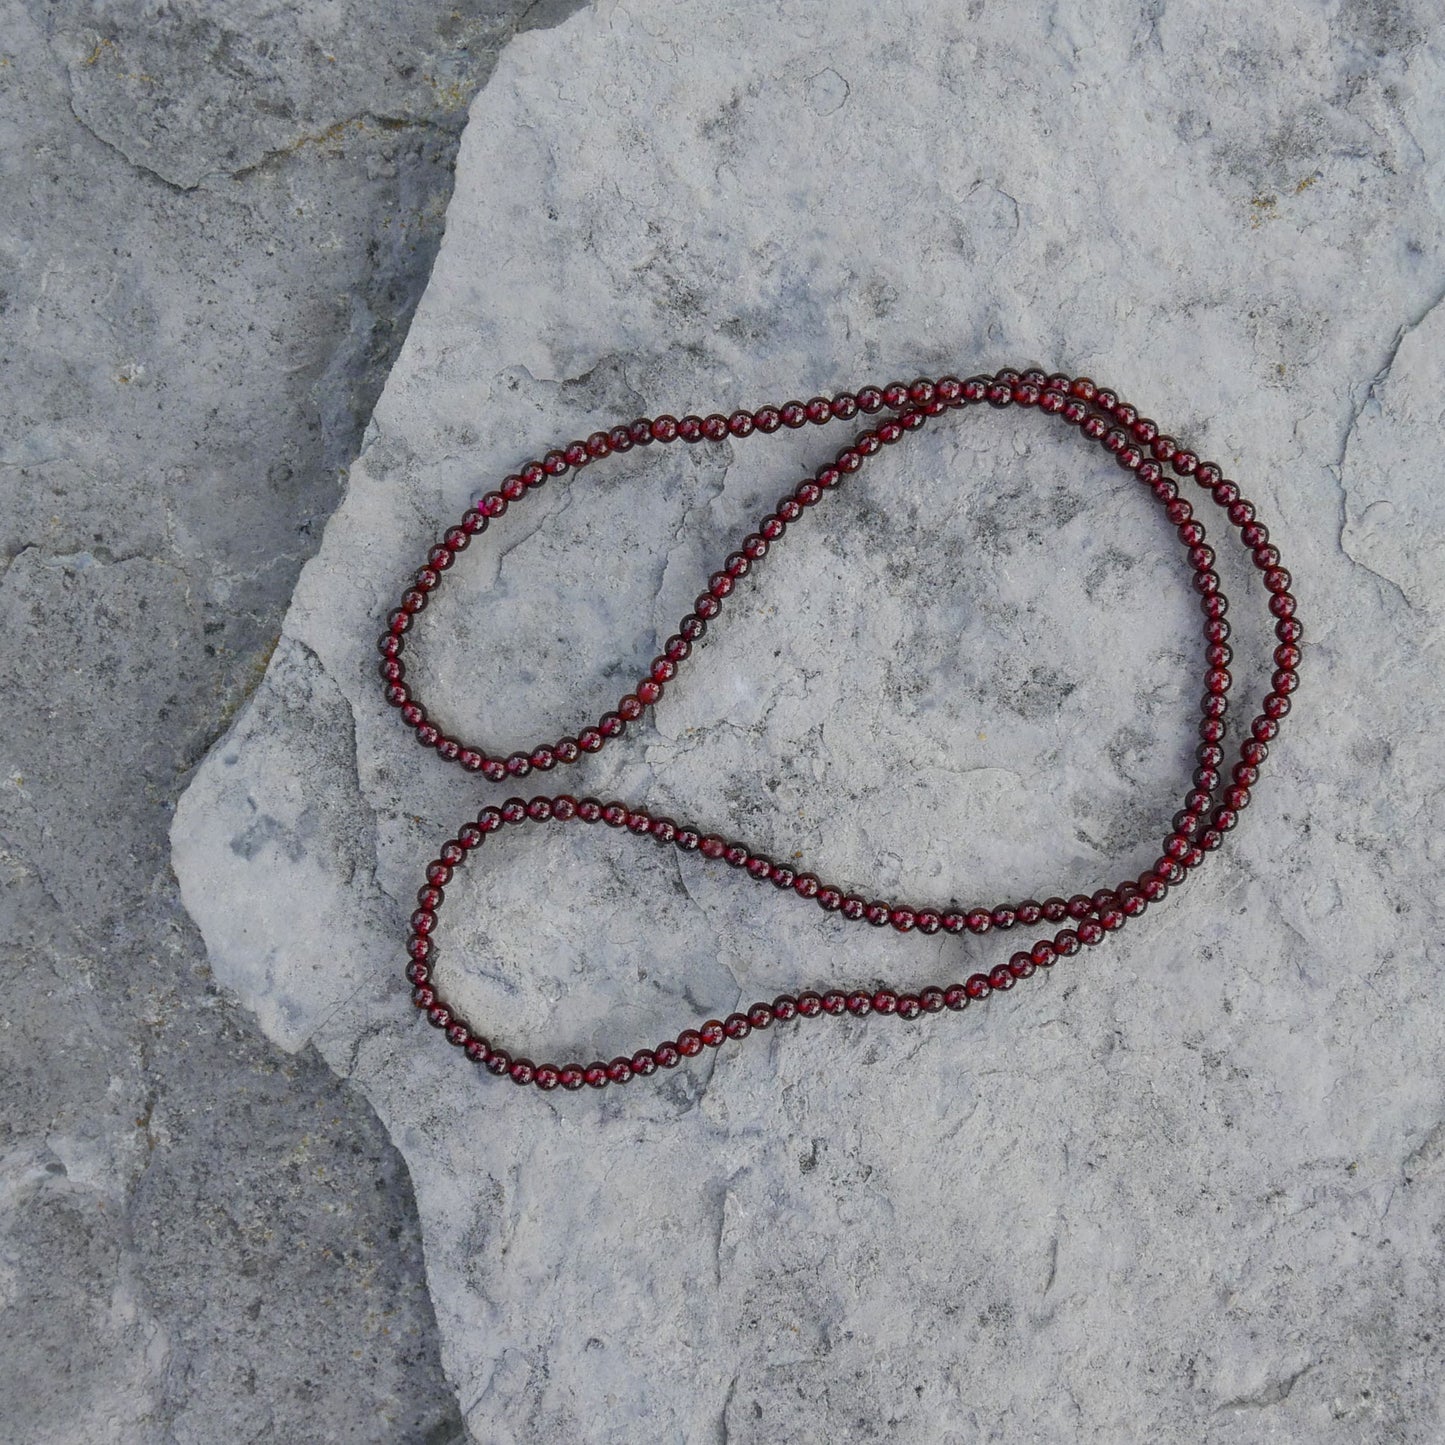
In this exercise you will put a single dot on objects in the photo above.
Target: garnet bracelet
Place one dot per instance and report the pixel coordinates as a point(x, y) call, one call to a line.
point(1210, 808)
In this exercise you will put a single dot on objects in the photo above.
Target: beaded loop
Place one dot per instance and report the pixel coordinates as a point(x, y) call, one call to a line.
point(1211, 807)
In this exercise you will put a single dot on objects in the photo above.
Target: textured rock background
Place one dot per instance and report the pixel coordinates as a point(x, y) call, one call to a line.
point(1189, 1187)
point(215, 221)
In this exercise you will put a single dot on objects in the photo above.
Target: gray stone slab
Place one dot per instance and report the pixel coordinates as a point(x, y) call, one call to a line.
point(1186, 1188)
point(214, 224)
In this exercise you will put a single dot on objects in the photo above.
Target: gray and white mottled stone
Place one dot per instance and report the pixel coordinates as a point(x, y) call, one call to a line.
point(1187, 1187)
point(215, 221)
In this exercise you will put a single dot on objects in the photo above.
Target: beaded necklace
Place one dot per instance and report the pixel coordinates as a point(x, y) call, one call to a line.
point(1211, 806)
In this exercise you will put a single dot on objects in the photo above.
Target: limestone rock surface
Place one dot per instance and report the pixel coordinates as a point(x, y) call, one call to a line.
point(1185, 1187)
